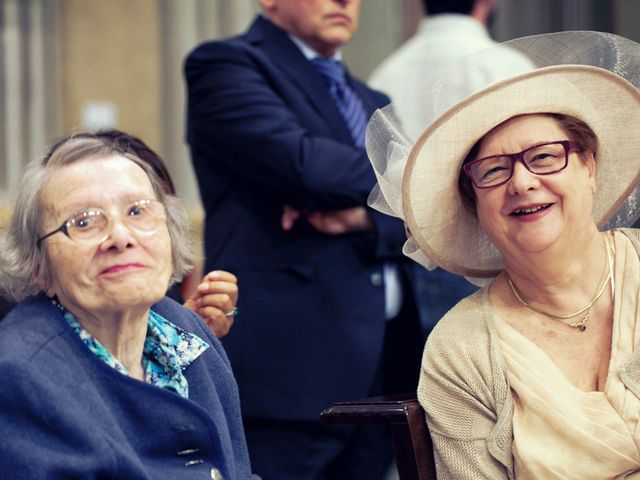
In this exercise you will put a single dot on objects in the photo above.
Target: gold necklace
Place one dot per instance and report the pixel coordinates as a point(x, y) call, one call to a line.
point(582, 325)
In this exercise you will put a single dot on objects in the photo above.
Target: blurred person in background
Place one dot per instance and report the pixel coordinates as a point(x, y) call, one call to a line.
point(276, 130)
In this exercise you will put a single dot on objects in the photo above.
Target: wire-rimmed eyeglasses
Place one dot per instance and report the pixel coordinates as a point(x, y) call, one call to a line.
point(95, 225)
point(541, 159)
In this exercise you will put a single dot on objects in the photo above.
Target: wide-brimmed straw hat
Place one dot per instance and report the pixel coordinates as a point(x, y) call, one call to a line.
point(592, 76)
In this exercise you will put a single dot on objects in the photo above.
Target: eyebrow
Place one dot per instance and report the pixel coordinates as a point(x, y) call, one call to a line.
point(533, 145)
point(76, 207)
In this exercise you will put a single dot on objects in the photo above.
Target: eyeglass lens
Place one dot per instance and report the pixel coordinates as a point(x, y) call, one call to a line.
point(541, 159)
point(145, 216)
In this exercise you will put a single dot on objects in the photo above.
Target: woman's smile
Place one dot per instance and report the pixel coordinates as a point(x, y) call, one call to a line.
point(122, 267)
point(530, 210)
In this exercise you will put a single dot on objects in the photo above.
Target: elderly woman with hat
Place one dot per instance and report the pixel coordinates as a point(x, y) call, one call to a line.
point(103, 377)
point(537, 375)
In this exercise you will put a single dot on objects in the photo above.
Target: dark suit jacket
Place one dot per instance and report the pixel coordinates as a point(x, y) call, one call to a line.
point(64, 413)
point(264, 132)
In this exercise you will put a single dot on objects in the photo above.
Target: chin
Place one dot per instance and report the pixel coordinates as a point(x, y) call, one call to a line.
point(337, 36)
point(138, 293)
point(536, 242)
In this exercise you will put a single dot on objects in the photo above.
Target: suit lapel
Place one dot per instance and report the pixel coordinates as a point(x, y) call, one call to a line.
point(275, 43)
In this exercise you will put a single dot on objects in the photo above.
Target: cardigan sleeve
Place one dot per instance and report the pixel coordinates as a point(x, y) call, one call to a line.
point(462, 395)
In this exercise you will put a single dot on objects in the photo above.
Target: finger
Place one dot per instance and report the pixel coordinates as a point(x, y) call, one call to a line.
point(221, 286)
point(287, 222)
point(217, 287)
point(218, 328)
point(215, 319)
point(222, 275)
point(326, 223)
point(218, 300)
point(227, 293)
point(289, 217)
point(224, 304)
point(316, 219)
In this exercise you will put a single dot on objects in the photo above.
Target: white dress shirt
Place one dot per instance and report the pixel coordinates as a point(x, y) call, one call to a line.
point(439, 41)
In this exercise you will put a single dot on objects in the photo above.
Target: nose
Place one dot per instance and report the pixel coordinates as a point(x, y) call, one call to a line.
point(119, 237)
point(522, 180)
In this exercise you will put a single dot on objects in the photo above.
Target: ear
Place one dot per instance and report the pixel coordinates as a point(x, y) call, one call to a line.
point(590, 163)
point(43, 281)
point(268, 5)
point(482, 10)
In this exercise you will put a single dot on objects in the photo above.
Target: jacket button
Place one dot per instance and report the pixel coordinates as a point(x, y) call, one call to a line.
point(215, 474)
point(376, 279)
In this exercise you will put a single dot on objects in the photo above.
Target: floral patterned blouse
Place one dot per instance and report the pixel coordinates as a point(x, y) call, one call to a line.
point(168, 350)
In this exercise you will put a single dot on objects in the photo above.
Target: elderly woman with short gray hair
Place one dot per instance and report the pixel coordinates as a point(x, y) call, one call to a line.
point(102, 376)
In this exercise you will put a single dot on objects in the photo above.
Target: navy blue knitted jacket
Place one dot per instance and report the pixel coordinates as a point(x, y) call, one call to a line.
point(65, 414)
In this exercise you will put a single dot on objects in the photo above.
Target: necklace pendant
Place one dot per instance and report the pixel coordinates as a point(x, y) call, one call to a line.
point(583, 325)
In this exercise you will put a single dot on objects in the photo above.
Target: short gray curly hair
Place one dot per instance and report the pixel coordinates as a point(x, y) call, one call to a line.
point(20, 258)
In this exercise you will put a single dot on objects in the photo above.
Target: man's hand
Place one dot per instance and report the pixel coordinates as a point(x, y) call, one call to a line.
point(338, 222)
point(289, 217)
point(335, 222)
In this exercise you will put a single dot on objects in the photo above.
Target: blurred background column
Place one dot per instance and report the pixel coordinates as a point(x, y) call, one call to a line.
point(30, 109)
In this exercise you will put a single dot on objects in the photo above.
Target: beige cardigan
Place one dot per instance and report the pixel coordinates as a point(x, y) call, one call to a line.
point(464, 390)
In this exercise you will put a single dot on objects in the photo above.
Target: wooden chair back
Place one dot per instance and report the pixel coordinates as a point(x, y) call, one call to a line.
point(411, 440)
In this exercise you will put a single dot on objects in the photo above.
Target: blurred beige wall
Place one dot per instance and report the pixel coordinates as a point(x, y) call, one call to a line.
point(110, 53)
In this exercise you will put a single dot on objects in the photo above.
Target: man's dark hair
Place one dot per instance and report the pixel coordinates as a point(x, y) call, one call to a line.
point(432, 7)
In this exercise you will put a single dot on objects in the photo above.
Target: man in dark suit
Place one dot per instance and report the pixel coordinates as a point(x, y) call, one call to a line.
point(277, 146)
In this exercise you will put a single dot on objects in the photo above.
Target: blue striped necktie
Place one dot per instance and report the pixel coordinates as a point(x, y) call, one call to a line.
point(350, 106)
